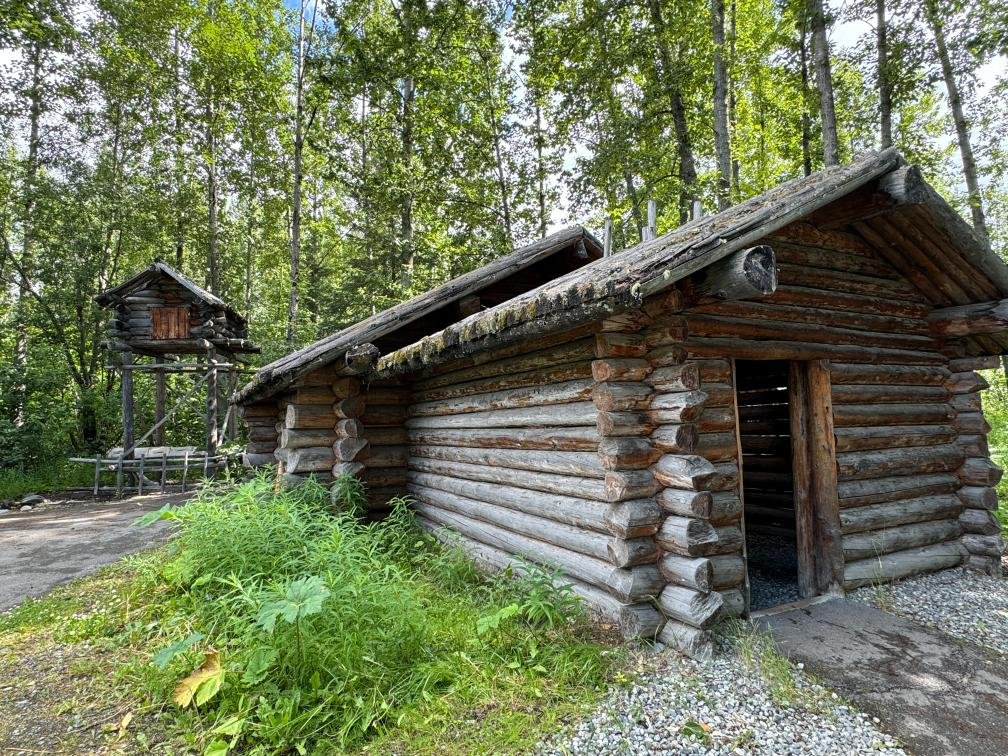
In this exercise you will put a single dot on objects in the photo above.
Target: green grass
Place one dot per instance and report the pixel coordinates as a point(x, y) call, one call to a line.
point(311, 631)
point(59, 476)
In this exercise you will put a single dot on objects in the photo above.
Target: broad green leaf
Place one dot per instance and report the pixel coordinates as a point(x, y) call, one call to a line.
point(163, 657)
point(259, 664)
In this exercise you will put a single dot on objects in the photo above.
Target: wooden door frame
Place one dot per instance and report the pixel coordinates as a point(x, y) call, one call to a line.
point(816, 499)
point(813, 460)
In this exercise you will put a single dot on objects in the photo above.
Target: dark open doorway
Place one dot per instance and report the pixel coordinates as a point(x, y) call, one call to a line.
point(789, 491)
point(767, 481)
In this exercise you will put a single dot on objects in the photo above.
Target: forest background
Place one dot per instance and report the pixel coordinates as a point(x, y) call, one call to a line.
point(315, 162)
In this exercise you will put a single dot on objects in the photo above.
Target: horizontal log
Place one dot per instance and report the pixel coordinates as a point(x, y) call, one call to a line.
point(624, 485)
point(624, 423)
point(845, 415)
point(901, 564)
point(615, 369)
point(692, 572)
point(383, 477)
point(778, 349)
point(314, 395)
point(687, 640)
point(733, 603)
point(618, 396)
point(914, 460)
point(620, 552)
point(349, 428)
point(694, 473)
point(974, 445)
point(977, 471)
point(348, 469)
point(375, 415)
point(985, 564)
point(727, 570)
point(351, 449)
point(627, 453)
point(716, 420)
point(620, 345)
point(864, 438)
point(568, 485)
point(310, 416)
point(979, 521)
point(984, 545)
point(717, 508)
point(585, 464)
point(966, 383)
point(888, 394)
point(877, 543)
point(261, 447)
point(679, 407)
point(665, 356)
point(262, 432)
point(558, 415)
point(969, 319)
point(675, 378)
point(904, 375)
point(582, 349)
point(691, 537)
point(978, 497)
point(970, 364)
point(678, 438)
point(717, 447)
point(527, 396)
point(557, 439)
point(630, 519)
point(902, 512)
point(635, 584)
point(719, 394)
point(352, 406)
point(971, 423)
point(387, 436)
point(633, 620)
point(745, 274)
point(309, 460)
point(344, 387)
point(386, 456)
point(258, 460)
point(713, 371)
point(544, 376)
point(966, 403)
point(300, 438)
point(694, 608)
point(856, 493)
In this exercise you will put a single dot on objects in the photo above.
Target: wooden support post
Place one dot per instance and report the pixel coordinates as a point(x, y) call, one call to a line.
point(97, 473)
point(822, 456)
point(185, 470)
point(652, 221)
point(127, 405)
point(805, 522)
point(607, 242)
point(211, 403)
point(160, 396)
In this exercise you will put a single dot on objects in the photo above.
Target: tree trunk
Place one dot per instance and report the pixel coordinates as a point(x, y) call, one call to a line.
point(687, 163)
point(406, 207)
point(806, 119)
point(884, 86)
point(250, 249)
point(722, 143)
point(28, 234)
point(178, 157)
point(213, 194)
point(295, 238)
point(959, 117)
point(824, 82)
point(540, 144)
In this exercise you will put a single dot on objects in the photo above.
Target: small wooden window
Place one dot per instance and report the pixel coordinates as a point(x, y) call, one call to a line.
point(169, 323)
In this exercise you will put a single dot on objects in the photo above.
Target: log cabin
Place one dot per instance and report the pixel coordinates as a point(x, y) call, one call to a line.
point(790, 382)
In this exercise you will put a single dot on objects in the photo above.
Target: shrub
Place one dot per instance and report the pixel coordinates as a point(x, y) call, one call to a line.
point(307, 626)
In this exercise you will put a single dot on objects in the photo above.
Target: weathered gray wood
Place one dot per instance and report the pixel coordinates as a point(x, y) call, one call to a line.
point(627, 584)
point(585, 464)
point(717, 447)
point(727, 570)
point(616, 369)
point(310, 416)
point(979, 497)
point(631, 519)
point(354, 450)
point(864, 438)
point(744, 274)
point(980, 472)
point(694, 608)
point(126, 386)
point(875, 393)
point(568, 485)
point(309, 460)
point(685, 535)
point(679, 407)
point(624, 485)
point(984, 545)
point(258, 460)
point(694, 473)
point(966, 320)
point(822, 458)
point(678, 438)
point(299, 438)
point(558, 439)
point(616, 396)
point(886, 462)
point(966, 383)
point(675, 378)
point(558, 415)
point(686, 639)
point(692, 572)
point(530, 396)
point(387, 455)
point(901, 564)
point(620, 552)
point(902, 512)
point(624, 423)
point(627, 453)
point(846, 415)
point(733, 603)
point(979, 521)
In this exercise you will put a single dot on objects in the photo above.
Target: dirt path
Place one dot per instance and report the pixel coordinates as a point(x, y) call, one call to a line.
point(938, 695)
point(41, 549)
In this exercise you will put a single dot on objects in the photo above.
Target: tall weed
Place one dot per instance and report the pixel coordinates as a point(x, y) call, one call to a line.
point(328, 631)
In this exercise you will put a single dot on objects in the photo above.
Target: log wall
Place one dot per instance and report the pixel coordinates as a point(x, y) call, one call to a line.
point(540, 452)
point(262, 420)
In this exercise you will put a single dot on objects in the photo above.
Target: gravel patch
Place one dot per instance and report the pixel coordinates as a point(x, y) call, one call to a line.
point(718, 706)
point(967, 605)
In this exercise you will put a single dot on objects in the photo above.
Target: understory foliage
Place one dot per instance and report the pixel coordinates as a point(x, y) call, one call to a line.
point(284, 620)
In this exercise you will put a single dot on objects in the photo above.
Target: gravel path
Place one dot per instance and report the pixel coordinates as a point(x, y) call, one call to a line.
point(773, 570)
point(964, 604)
point(681, 706)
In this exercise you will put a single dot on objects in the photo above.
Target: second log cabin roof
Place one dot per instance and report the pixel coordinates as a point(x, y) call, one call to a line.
point(877, 196)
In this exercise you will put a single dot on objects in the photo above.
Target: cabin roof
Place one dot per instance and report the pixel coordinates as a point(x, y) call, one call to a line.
point(159, 269)
point(548, 257)
point(868, 196)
